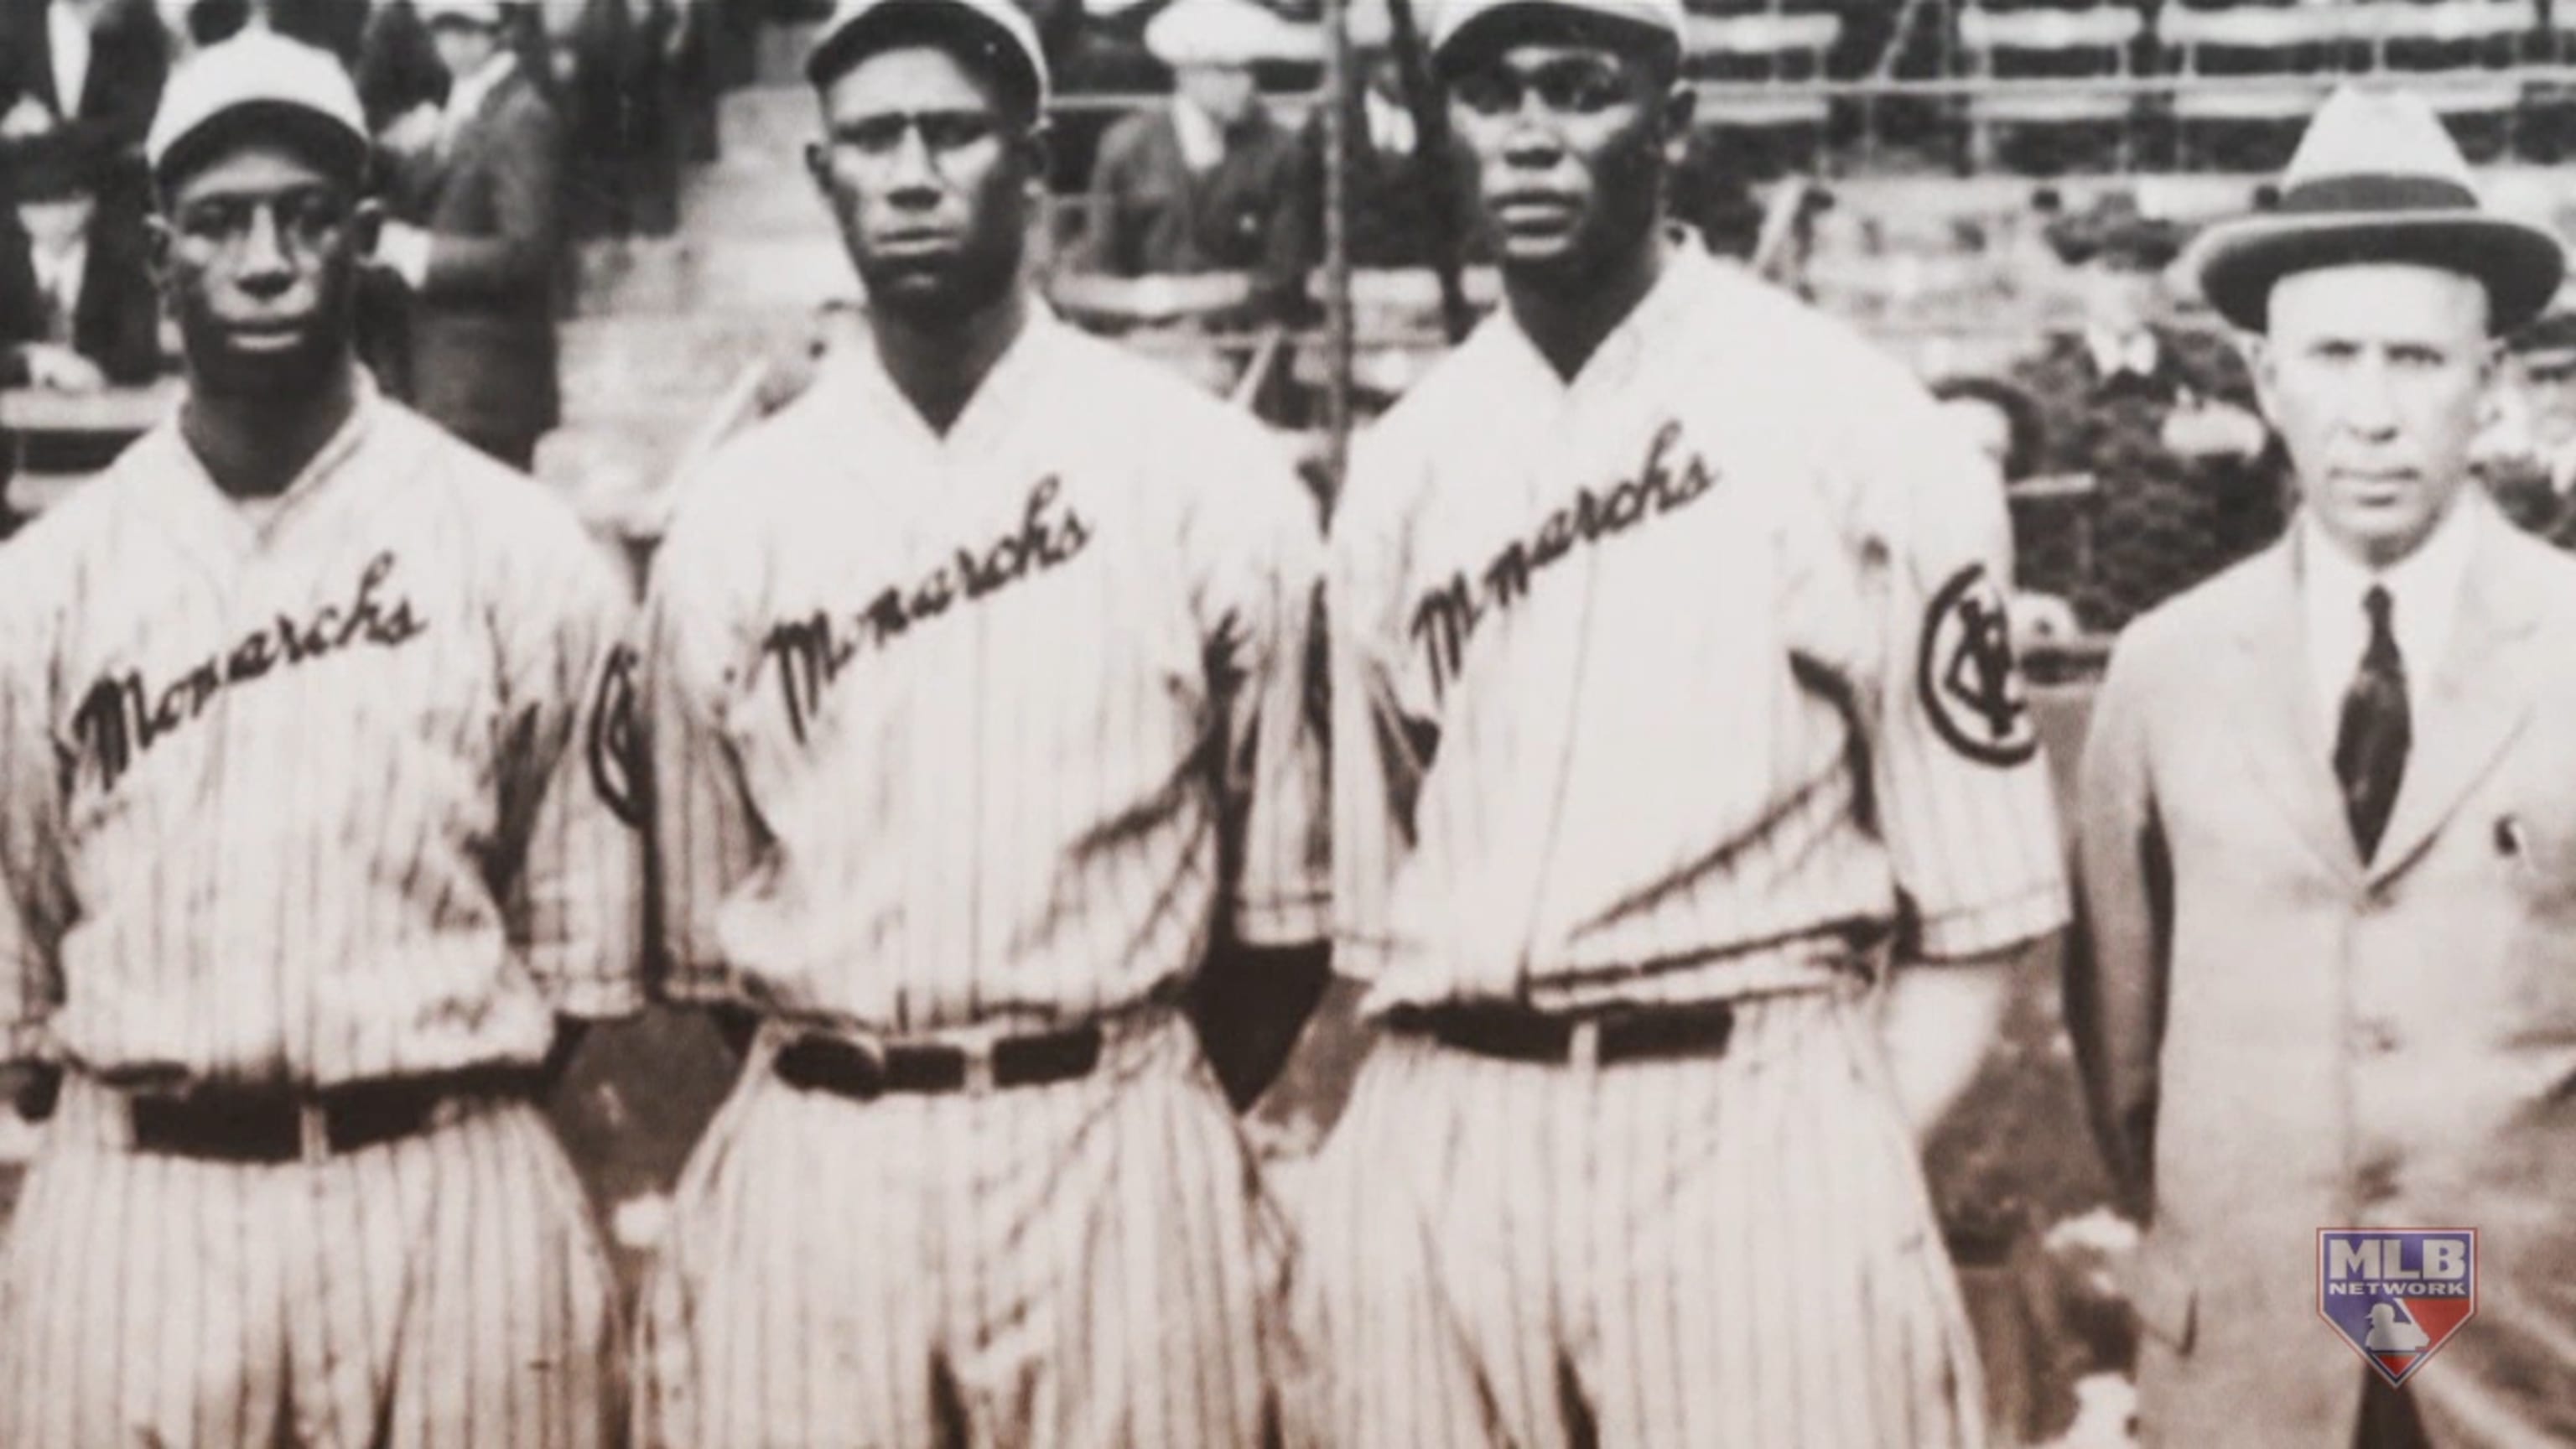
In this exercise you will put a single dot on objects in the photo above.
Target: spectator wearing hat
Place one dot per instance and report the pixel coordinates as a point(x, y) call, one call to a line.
point(475, 197)
point(2527, 457)
point(2328, 842)
point(77, 309)
point(1197, 185)
point(1397, 198)
point(2160, 418)
point(78, 80)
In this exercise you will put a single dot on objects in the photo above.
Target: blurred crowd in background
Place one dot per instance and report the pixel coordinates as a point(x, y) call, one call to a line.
point(515, 135)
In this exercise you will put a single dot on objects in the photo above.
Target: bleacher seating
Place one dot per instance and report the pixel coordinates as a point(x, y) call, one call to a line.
point(1776, 46)
point(2472, 45)
point(2056, 45)
point(2275, 62)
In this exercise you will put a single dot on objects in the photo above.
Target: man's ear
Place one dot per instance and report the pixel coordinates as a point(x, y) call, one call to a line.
point(1681, 104)
point(1037, 151)
point(818, 167)
point(158, 238)
point(2257, 351)
point(366, 226)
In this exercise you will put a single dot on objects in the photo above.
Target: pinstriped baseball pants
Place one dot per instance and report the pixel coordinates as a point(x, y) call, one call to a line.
point(1070, 1266)
point(1693, 1253)
point(444, 1291)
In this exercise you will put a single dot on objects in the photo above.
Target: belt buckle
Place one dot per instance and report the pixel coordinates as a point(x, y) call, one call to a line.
point(1583, 1045)
point(312, 1132)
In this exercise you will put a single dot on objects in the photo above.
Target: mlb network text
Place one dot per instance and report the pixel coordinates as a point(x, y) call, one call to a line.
point(2364, 1269)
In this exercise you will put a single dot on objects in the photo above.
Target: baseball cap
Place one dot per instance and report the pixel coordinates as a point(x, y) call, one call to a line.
point(263, 71)
point(848, 35)
point(1454, 18)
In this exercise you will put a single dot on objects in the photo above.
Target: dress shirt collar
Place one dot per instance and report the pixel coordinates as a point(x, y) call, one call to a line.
point(60, 271)
point(1390, 126)
point(1202, 139)
point(2113, 355)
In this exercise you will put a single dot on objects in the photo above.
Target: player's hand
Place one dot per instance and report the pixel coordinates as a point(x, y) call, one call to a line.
point(29, 117)
point(2214, 430)
point(59, 369)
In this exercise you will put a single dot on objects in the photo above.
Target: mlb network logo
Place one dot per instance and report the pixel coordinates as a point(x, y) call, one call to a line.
point(2397, 1295)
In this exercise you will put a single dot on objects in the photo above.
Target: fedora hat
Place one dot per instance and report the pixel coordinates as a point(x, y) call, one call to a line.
point(2377, 179)
point(2113, 228)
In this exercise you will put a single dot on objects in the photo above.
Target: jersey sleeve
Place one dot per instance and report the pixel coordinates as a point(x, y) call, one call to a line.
point(1257, 558)
point(574, 906)
point(1380, 746)
point(35, 890)
point(704, 838)
point(1962, 790)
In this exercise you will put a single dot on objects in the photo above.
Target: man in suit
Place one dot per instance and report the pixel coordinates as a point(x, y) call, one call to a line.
point(475, 194)
point(1198, 185)
point(2161, 419)
point(1401, 209)
point(77, 309)
point(78, 82)
point(2328, 854)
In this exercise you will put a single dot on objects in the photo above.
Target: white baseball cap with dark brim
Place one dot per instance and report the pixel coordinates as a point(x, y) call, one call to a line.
point(2377, 179)
point(850, 34)
point(257, 71)
point(1453, 20)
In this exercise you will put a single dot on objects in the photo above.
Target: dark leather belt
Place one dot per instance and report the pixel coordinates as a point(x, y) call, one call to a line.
point(817, 1063)
point(269, 1125)
point(1517, 1033)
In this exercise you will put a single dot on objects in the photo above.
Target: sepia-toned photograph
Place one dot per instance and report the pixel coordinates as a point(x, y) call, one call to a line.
point(1287, 724)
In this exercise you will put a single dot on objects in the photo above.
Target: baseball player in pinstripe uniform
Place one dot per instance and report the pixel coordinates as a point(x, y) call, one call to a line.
point(1672, 695)
point(972, 698)
point(309, 852)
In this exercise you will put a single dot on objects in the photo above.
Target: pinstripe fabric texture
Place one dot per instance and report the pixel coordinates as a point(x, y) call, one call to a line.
point(1626, 670)
point(1078, 1266)
point(1684, 681)
point(302, 801)
point(1685, 1253)
point(948, 729)
point(305, 796)
point(955, 736)
point(444, 1291)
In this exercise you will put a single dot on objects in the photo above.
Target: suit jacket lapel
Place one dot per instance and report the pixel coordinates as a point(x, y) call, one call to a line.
point(2271, 689)
point(2476, 700)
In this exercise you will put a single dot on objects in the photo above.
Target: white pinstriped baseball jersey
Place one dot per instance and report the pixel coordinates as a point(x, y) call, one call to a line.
point(306, 799)
point(948, 728)
point(1663, 684)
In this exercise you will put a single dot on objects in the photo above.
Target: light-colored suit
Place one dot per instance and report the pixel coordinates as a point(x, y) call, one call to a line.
point(2279, 1038)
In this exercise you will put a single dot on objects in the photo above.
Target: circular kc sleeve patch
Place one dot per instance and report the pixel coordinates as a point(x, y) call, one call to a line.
point(1970, 687)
